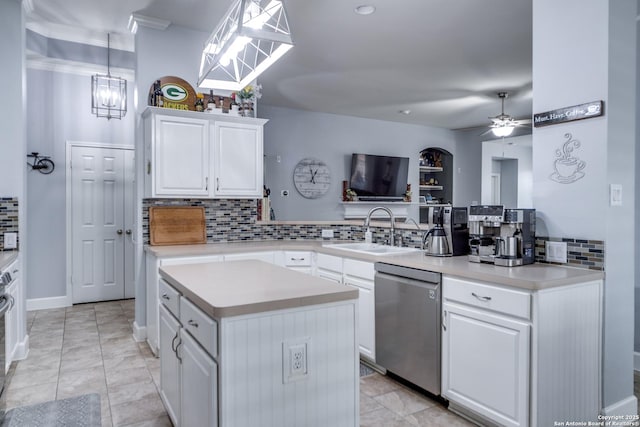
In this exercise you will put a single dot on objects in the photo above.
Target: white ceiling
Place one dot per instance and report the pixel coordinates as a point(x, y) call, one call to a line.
point(444, 60)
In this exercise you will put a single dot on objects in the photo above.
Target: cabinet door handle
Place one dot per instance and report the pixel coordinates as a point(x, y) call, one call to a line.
point(177, 354)
point(444, 321)
point(128, 232)
point(166, 297)
point(119, 232)
point(206, 184)
point(193, 323)
point(481, 298)
point(12, 302)
point(149, 167)
point(173, 342)
point(217, 184)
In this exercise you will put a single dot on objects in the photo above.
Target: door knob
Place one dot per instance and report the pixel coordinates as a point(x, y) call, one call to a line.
point(128, 232)
point(119, 232)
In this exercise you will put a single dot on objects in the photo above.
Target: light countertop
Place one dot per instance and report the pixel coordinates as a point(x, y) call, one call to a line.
point(235, 288)
point(6, 258)
point(530, 277)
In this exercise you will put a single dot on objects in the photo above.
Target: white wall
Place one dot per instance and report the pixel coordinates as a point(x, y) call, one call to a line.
point(59, 110)
point(293, 135)
point(569, 70)
point(12, 119)
point(518, 148)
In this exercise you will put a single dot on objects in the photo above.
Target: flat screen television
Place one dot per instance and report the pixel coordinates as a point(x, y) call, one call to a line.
point(379, 177)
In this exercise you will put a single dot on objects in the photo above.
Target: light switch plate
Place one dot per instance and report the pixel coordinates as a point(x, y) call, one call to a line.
point(10, 240)
point(556, 251)
point(615, 195)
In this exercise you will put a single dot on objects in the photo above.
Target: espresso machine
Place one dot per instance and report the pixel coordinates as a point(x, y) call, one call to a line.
point(485, 223)
point(517, 240)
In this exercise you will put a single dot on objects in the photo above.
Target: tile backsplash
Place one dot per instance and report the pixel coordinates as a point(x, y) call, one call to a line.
point(8, 218)
point(232, 220)
point(580, 252)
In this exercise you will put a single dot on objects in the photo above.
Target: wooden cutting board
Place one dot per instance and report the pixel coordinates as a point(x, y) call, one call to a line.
point(177, 225)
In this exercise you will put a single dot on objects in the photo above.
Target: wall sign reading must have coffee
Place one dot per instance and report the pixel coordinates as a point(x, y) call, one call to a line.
point(569, 114)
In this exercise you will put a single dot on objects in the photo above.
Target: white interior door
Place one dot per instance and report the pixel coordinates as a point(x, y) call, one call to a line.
point(101, 223)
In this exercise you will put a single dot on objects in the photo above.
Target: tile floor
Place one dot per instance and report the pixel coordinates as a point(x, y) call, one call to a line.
point(89, 348)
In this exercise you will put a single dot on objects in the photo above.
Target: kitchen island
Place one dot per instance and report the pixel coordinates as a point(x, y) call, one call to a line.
point(248, 343)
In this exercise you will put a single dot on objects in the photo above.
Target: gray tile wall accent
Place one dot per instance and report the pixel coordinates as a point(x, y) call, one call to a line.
point(580, 252)
point(8, 218)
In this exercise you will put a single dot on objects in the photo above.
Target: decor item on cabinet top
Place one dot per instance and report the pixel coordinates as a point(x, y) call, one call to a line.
point(108, 93)
point(249, 38)
point(246, 98)
point(172, 92)
point(567, 168)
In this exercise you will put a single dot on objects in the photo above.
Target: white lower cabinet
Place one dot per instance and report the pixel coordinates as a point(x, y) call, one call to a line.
point(199, 385)
point(188, 375)
point(170, 373)
point(360, 275)
point(485, 363)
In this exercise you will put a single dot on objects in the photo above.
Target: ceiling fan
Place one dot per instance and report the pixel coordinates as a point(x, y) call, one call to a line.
point(503, 124)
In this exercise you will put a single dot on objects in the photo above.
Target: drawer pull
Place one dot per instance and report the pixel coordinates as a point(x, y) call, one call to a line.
point(165, 296)
point(484, 299)
point(193, 323)
point(297, 259)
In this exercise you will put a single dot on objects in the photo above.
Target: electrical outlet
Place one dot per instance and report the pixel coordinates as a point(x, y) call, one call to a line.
point(327, 234)
point(556, 251)
point(10, 240)
point(295, 361)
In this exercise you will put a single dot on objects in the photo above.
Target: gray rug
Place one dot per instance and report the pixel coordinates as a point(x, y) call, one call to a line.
point(365, 370)
point(81, 411)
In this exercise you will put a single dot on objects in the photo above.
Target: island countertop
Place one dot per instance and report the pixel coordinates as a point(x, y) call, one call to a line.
point(235, 288)
point(529, 277)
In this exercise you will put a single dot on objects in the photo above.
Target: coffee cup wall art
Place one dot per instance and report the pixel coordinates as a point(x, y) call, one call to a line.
point(567, 168)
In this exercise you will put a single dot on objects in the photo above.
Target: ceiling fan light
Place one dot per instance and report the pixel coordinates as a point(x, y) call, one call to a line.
point(502, 131)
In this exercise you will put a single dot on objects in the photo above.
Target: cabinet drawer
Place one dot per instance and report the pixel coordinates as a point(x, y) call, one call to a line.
point(362, 269)
point(508, 301)
point(169, 297)
point(202, 327)
point(330, 262)
point(296, 259)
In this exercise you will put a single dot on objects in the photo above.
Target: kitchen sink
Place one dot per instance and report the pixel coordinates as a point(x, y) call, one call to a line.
point(370, 248)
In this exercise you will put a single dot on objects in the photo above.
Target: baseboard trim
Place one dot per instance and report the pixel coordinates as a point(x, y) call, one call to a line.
point(47, 303)
point(22, 350)
point(139, 332)
point(628, 406)
point(636, 361)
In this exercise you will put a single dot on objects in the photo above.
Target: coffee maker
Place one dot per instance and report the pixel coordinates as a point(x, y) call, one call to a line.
point(451, 223)
point(516, 243)
point(485, 223)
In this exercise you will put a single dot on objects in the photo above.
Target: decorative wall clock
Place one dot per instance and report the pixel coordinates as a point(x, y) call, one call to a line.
point(312, 178)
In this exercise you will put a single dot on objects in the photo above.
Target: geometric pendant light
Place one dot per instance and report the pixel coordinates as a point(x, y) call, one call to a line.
point(108, 93)
point(251, 36)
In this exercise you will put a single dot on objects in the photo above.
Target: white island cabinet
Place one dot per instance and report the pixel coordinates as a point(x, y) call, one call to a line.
point(251, 343)
point(198, 155)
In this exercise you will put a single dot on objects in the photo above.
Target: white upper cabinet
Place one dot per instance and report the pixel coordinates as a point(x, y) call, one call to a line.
point(179, 162)
point(237, 159)
point(198, 155)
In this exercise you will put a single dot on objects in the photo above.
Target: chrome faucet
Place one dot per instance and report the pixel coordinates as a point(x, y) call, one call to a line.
point(391, 221)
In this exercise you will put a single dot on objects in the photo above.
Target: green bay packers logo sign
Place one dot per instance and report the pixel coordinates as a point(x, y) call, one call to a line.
point(177, 93)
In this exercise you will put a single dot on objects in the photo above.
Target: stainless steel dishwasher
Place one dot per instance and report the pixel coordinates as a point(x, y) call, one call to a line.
point(407, 304)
